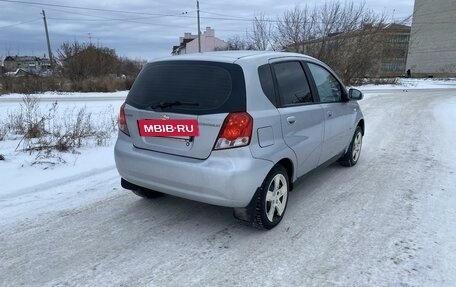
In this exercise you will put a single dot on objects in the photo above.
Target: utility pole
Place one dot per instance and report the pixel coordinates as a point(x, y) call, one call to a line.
point(199, 30)
point(47, 39)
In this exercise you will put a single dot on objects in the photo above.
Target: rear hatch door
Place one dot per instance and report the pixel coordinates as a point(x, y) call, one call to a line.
point(187, 92)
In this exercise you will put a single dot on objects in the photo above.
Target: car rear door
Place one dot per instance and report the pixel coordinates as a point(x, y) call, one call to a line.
point(302, 119)
point(339, 114)
point(184, 91)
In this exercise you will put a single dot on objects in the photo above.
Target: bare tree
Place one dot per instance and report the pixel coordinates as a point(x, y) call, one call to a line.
point(295, 27)
point(347, 36)
point(237, 43)
point(261, 36)
point(83, 60)
point(350, 39)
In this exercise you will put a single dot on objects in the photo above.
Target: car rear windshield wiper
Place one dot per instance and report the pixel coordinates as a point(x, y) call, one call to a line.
point(163, 105)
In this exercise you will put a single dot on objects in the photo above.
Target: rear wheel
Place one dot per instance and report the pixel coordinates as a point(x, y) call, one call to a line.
point(270, 201)
point(350, 158)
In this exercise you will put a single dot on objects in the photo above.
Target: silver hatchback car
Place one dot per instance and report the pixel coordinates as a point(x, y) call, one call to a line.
point(235, 128)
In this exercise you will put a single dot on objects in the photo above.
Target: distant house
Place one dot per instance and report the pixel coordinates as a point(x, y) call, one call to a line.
point(29, 64)
point(21, 73)
point(189, 43)
point(394, 57)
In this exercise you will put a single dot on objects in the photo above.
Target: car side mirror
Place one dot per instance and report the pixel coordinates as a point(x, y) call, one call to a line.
point(354, 94)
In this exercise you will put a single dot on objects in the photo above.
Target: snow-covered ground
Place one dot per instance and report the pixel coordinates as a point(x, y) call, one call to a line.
point(62, 96)
point(388, 221)
point(29, 188)
point(412, 84)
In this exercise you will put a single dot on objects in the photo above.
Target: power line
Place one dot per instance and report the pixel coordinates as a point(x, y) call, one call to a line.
point(100, 17)
point(20, 23)
point(130, 20)
point(95, 9)
point(180, 15)
point(118, 20)
point(223, 17)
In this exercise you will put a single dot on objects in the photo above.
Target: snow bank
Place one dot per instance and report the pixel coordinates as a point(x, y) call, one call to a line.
point(406, 83)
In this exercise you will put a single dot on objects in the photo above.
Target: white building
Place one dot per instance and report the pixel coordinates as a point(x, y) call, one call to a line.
point(432, 47)
point(27, 64)
point(189, 43)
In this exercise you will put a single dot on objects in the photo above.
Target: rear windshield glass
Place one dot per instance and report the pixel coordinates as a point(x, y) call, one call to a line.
point(189, 87)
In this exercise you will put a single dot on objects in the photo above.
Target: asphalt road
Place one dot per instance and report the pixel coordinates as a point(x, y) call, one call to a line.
point(388, 221)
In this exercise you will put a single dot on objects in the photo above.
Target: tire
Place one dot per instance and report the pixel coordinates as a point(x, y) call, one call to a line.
point(270, 201)
point(351, 157)
point(140, 191)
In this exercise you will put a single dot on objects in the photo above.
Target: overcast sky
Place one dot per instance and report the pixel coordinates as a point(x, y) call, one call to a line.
point(141, 28)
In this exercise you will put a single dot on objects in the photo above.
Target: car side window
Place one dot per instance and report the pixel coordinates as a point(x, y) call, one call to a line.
point(292, 83)
point(329, 89)
point(267, 83)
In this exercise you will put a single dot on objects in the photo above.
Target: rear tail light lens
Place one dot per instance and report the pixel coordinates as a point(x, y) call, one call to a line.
point(123, 120)
point(236, 131)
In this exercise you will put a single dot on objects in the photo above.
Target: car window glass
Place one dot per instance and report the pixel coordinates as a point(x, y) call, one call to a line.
point(292, 83)
point(208, 87)
point(267, 83)
point(329, 89)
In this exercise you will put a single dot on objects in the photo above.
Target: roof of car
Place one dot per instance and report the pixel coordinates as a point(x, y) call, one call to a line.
point(232, 56)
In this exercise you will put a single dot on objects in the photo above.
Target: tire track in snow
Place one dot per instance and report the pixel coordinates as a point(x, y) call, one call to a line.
point(67, 193)
point(55, 183)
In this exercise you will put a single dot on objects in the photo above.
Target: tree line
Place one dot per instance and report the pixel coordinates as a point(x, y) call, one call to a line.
point(79, 61)
point(81, 67)
point(347, 36)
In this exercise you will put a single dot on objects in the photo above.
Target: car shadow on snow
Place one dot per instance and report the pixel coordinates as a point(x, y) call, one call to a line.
point(174, 211)
point(171, 210)
point(320, 184)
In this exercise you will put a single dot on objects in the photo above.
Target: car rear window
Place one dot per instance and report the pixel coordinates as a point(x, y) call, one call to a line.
point(198, 87)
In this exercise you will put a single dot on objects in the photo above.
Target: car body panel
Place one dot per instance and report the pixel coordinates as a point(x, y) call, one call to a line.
point(196, 147)
point(272, 152)
point(226, 178)
point(339, 128)
point(304, 134)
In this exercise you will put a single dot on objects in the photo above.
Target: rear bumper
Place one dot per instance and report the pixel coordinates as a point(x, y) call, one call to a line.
point(227, 178)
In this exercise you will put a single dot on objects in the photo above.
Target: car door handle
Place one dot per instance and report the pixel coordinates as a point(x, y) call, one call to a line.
point(330, 114)
point(291, 120)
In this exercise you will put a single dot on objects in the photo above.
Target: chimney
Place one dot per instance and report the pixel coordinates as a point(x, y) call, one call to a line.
point(209, 32)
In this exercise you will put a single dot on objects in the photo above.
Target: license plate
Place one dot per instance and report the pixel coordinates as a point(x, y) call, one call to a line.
point(168, 128)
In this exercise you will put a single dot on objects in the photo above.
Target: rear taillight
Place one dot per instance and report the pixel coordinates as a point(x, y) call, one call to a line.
point(123, 120)
point(236, 131)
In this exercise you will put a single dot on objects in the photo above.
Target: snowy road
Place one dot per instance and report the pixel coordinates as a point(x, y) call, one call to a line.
point(389, 221)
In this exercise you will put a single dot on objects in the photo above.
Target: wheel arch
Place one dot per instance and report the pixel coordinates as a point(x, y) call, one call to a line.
point(250, 213)
point(289, 167)
point(361, 125)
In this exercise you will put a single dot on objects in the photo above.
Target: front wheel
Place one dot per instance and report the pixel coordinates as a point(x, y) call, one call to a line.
point(271, 200)
point(350, 158)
